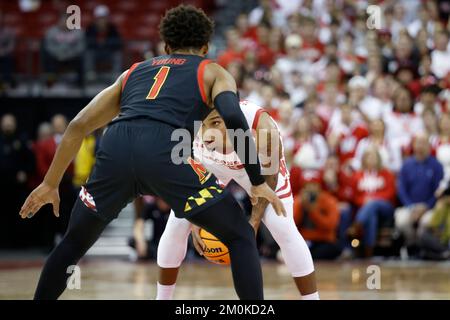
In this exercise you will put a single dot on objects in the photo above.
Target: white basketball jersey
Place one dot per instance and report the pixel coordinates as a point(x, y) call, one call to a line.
point(227, 167)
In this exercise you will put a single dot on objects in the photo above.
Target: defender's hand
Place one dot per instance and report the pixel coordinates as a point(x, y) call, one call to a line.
point(264, 191)
point(40, 196)
point(199, 245)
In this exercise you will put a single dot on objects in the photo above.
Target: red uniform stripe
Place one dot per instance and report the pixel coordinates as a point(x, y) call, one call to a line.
point(256, 119)
point(200, 79)
point(125, 79)
point(285, 195)
point(284, 187)
point(286, 184)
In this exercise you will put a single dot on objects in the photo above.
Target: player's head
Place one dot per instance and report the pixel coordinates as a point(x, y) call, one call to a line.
point(214, 133)
point(186, 28)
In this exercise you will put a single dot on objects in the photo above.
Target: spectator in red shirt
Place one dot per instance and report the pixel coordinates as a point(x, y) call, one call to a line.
point(374, 193)
point(407, 77)
point(242, 26)
point(338, 181)
point(344, 136)
point(265, 54)
point(310, 150)
point(47, 147)
point(44, 156)
point(312, 49)
point(44, 134)
point(390, 153)
point(234, 51)
point(330, 102)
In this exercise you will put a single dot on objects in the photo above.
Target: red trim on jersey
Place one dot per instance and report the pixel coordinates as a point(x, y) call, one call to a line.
point(286, 195)
point(200, 80)
point(286, 184)
point(125, 79)
point(256, 119)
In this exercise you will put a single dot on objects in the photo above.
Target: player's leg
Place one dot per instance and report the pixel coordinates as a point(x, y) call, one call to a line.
point(83, 230)
point(294, 249)
point(227, 222)
point(171, 253)
point(110, 188)
point(194, 194)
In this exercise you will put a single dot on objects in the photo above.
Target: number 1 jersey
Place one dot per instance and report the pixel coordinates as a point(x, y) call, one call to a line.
point(168, 89)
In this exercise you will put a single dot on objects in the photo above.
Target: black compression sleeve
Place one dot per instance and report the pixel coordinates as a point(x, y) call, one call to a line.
point(227, 104)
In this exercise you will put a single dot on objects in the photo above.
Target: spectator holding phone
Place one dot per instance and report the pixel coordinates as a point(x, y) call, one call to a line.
point(316, 213)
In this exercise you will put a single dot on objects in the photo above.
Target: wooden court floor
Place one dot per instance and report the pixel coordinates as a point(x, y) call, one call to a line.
point(119, 279)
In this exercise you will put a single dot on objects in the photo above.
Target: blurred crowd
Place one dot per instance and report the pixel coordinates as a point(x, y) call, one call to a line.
point(364, 114)
point(75, 57)
point(23, 165)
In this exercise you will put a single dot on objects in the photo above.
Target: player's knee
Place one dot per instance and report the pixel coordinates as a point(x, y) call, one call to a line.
point(177, 233)
point(169, 261)
point(283, 239)
point(243, 234)
point(170, 254)
point(283, 233)
point(172, 249)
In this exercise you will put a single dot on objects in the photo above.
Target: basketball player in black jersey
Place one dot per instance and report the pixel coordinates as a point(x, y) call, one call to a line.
point(149, 101)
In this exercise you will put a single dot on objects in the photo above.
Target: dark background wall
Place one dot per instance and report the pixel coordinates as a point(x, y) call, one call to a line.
point(30, 112)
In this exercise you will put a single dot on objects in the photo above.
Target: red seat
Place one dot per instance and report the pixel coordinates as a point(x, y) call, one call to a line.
point(11, 18)
point(150, 19)
point(118, 18)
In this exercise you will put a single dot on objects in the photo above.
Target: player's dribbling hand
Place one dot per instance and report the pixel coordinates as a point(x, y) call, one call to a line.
point(40, 196)
point(264, 191)
point(197, 240)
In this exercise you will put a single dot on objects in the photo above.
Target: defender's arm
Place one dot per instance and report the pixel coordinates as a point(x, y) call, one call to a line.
point(99, 112)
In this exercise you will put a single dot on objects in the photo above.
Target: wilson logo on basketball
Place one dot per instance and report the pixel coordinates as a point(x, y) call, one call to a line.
point(213, 250)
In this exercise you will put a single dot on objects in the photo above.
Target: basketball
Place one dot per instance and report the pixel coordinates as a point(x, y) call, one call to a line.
point(215, 252)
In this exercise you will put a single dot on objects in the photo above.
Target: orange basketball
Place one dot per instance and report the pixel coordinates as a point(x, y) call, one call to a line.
point(216, 251)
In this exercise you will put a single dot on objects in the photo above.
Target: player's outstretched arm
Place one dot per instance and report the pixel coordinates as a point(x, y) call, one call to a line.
point(268, 142)
point(99, 112)
point(221, 87)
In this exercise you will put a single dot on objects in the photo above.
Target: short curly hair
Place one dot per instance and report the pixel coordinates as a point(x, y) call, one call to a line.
point(186, 27)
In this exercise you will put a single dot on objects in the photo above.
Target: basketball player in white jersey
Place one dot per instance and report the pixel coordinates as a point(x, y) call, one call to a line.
point(219, 158)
